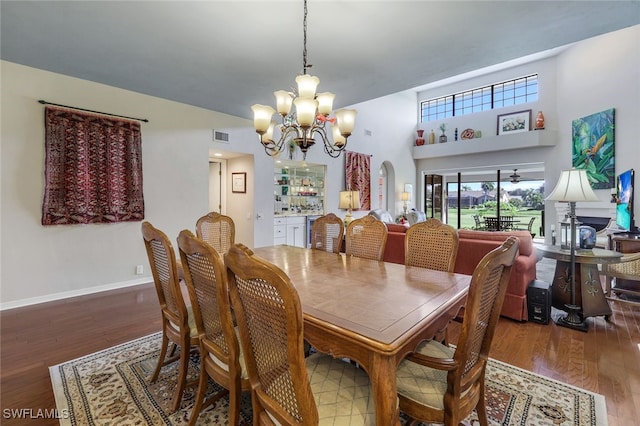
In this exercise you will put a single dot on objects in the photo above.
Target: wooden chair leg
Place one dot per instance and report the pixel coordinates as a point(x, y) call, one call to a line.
point(202, 389)
point(481, 408)
point(234, 405)
point(183, 367)
point(163, 353)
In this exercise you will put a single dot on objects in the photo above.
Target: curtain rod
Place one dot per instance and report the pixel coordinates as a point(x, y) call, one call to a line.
point(43, 102)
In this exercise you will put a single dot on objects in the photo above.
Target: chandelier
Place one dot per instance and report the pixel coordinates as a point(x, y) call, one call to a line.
point(515, 177)
point(309, 120)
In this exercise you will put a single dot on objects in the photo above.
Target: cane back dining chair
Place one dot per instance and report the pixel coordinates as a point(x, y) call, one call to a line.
point(440, 384)
point(366, 237)
point(431, 244)
point(220, 354)
point(178, 326)
point(327, 233)
point(287, 388)
point(217, 230)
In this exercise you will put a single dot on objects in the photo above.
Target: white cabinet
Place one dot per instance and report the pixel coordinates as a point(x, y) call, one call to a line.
point(290, 231)
point(296, 234)
point(279, 231)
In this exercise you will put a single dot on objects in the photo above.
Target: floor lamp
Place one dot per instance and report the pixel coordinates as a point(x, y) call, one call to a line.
point(349, 200)
point(573, 186)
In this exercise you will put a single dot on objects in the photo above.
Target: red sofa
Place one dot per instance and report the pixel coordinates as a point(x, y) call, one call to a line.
point(472, 246)
point(394, 250)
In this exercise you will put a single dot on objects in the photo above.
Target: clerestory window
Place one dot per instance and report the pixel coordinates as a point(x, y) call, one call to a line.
point(497, 95)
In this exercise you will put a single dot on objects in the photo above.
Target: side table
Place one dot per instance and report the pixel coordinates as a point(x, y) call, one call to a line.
point(589, 293)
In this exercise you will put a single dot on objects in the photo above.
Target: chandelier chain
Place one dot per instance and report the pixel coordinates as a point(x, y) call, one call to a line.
point(309, 121)
point(304, 40)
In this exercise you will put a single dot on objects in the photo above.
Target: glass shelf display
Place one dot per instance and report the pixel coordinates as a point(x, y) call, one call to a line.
point(299, 188)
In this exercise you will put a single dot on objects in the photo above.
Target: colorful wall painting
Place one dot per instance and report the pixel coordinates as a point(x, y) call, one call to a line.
point(593, 148)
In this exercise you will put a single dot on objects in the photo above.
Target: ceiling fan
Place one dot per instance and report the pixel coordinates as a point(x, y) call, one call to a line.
point(515, 177)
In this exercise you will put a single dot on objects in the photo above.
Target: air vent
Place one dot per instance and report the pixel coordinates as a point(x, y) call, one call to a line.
point(220, 136)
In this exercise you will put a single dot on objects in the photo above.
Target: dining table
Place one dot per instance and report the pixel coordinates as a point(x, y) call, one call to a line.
point(372, 312)
point(502, 223)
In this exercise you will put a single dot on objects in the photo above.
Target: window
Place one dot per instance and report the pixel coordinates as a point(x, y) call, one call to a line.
point(498, 95)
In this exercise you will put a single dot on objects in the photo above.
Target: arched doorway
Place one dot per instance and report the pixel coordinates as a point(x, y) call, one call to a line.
point(386, 188)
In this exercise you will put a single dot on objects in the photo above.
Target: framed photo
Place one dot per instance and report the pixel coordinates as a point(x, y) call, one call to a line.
point(514, 122)
point(239, 182)
point(408, 188)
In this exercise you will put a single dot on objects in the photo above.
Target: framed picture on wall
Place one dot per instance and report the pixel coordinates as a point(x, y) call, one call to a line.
point(514, 122)
point(239, 182)
point(593, 147)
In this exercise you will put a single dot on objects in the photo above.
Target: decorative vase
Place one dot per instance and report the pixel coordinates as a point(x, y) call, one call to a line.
point(432, 138)
point(455, 134)
point(443, 138)
point(539, 121)
point(420, 140)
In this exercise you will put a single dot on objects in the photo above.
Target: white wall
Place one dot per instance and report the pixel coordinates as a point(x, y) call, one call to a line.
point(585, 78)
point(40, 263)
point(43, 263)
point(598, 74)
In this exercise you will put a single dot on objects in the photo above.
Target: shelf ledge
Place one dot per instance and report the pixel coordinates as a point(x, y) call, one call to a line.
point(531, 139)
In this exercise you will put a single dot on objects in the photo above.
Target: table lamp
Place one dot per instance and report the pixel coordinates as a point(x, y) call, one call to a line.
point(573, 186)
point(349, 200)
point(405, 196)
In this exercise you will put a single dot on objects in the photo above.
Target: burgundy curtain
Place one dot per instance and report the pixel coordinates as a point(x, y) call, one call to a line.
point(358, 176)
point(93, 169)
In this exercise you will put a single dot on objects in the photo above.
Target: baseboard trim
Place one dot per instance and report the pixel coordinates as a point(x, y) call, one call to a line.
point(73, 293)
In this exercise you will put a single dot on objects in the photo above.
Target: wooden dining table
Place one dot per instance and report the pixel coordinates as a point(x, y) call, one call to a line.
point(372, 312)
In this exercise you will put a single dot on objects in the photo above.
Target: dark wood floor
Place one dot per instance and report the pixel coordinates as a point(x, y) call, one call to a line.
point(605, 360)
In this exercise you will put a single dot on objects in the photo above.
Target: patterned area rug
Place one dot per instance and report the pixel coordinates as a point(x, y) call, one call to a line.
point(111, 387)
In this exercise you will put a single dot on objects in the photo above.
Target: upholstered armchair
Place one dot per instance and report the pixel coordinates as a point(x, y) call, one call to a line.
point(414, 216)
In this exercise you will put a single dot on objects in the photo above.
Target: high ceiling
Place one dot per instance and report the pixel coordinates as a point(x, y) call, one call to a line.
point(228, 55)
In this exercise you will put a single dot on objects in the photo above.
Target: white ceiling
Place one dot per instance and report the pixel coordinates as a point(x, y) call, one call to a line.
point(228, 55)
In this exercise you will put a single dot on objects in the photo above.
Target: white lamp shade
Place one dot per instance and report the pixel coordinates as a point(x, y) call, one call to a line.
point(307, 85)
point(305, 111)
point(338, 139)
point(346, 121)
point(325, 102)
point(573, 186)
point(349, 200)
point(283, 101)
point(262, 117)
point(405, 196)
point(268, 135)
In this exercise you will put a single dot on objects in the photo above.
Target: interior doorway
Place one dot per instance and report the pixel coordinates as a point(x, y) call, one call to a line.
point(217, 197)
point(382, 188)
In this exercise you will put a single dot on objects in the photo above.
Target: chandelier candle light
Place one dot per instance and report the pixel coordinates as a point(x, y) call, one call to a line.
point(573, 186)
point(309, 118)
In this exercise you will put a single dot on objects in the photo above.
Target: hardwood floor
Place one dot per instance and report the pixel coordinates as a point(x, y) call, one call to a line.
point(605, 360)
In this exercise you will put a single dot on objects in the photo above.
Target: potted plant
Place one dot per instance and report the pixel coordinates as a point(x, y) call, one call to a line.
point(443, 137)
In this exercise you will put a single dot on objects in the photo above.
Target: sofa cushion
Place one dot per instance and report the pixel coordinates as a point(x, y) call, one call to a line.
point(396, 227)
point(474, 245)
point(525, 246)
